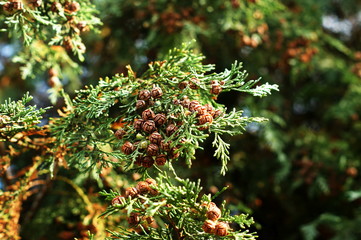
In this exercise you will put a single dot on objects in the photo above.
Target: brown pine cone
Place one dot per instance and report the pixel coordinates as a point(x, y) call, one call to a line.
point(201, 110)
point(127, 148)
point(209, 226)
point(174, 153)
point(144, 95)
point(138, 124)
point(72, 6)
point(120, 133)
point(217, 113)
point(182, 85)
point(140, 104)
point(132, 192)
point(213, 214)
point(192, 105)
point(149, 126)
point(165, 146)
point(161, 159)
point(119, 200)
point(82, 26)
point(153, 191)
point(155, 138)
point(148, 114)
point(221, 229)
point(152, 149)
point(151, 181)
point(134, 219)
point(147, 161)
point(143, 187)
point(185, 102)
point(156, 92)
point(206, 118)
point(160, 119)
point(209, 108)
point(171, 128)
point(194, 83)
point(216, 89)
point(176, 102)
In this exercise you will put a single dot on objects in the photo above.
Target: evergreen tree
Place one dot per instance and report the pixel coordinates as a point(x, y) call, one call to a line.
point(296, 175)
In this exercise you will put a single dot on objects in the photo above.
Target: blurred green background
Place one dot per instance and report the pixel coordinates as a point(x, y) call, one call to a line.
point(297, 175)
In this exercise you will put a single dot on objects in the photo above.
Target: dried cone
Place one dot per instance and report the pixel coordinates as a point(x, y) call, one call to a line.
point(194, 83)
point(155, 138)
point(192, 105)
point(118, 200)
point(147, 161)
point(213, 213)
point(206, 118)
point(174, 153)
point(120, 133)
point(209, 226)
point(161, 159)
point(160, 119)
point(201, 110)
point(144, 95)
point(171, 128)
point(140, 104)
point(133, 219)
point(127, 148)
point(156, 92)
point(176, 102)
point(153, 192)
point(72, 6)
point(152, 149)
point(132, 192)
point(216, 89)
point(217, 113)
point(221, 229)
point(182, 85)
point(210, 109)
point(165, 146)
point(148, 114)
point(151, 181)
point(143, 187)
point(138, 124)
point(82, 26)
point(149, 126)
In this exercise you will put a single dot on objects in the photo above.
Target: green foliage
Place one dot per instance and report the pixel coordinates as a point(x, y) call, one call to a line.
point(179, 209)
point(16, 117)
point(85, 130)
point(298, 175)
